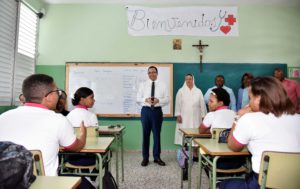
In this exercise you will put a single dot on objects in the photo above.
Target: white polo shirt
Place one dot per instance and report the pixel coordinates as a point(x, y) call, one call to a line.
point(36, 127)
point(221, 118)
point(262, 132)
point(81, 113)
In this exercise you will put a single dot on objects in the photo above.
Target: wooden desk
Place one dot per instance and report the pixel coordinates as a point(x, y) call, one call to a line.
point(56, 182)
point(212, 148)
point(116, 132)
point(100, 147)
point(188, 135)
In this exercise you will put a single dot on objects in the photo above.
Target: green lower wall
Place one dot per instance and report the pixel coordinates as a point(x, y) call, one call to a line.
point(57, 72)
point(133, 133)
point(5, 108)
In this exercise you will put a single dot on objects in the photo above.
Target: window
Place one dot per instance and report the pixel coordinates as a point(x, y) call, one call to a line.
point(26, 49)
point(27, 32)
point(18, 38)
point(8, 19)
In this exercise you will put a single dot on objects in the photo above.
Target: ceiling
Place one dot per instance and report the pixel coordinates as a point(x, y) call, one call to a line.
point(185, 2)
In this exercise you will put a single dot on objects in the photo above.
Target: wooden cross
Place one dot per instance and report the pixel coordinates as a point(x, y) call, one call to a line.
point(201, 48)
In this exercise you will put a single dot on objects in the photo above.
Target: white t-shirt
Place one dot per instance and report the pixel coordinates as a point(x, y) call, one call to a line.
point(221, 118)
point(78, 115)
point(38, 128)
point(262, 132)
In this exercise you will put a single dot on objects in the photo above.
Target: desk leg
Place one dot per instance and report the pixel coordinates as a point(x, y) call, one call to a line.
point(214, 172)
point(122, 156)
point(190, 141)
point(117, 158)
point(100, 170)
point(200, 169)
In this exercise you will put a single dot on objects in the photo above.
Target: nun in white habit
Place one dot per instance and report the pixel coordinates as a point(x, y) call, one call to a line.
point(190, 107)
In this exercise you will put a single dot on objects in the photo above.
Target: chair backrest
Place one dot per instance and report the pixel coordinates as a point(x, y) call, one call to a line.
point(38, 163)
point(90, 131)
point(216, 132)
point(279, 170)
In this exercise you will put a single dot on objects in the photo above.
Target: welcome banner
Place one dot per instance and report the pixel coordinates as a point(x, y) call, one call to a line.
point(191, 21)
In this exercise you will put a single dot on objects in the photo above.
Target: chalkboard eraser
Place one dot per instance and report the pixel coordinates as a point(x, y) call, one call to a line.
point(111, 126)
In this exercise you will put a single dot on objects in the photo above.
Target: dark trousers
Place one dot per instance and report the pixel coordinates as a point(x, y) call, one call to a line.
point(151, 121)
point(250, 182)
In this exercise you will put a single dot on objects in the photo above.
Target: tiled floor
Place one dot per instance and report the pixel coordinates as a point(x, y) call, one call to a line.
point(154, 176)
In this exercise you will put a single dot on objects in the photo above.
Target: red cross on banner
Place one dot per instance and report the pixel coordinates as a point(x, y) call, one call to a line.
point(230, 19)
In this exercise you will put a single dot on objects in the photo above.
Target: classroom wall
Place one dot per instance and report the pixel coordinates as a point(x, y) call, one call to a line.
point(98, 33)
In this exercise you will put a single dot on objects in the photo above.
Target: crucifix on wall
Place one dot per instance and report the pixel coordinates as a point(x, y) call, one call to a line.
point(201, 47)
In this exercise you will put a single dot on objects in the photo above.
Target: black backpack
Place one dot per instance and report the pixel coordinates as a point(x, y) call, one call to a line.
point(16, 166)
point(108, 180)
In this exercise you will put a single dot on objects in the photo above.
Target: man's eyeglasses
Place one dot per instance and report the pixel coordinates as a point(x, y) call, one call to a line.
point(58, 92)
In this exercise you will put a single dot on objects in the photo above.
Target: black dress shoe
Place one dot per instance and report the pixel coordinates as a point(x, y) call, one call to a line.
point(159, 162)
point(144, 162)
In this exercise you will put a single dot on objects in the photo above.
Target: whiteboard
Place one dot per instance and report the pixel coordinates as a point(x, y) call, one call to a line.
point(115, 86)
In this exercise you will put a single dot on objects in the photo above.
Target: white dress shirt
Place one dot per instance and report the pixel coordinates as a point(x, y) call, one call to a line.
point(144, 92)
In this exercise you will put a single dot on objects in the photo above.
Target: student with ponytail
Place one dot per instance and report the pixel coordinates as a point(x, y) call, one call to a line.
point(82, 100)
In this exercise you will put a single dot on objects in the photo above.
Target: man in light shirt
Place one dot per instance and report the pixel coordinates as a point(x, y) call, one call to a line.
point(219, 82)
point(152, 95)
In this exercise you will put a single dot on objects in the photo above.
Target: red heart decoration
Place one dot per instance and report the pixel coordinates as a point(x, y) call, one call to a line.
point(225, 29)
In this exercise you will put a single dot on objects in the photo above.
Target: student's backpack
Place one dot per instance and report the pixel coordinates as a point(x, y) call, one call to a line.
point(16, 166)
point(223, 136)
point(108, 180)
point(183, 161)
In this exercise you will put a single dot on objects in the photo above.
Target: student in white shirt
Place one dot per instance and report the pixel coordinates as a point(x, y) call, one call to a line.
point(82, 100)
point(151, 113)
point(219, 116)
point(219, 83)
point(268, 124)
point(190, 107)
point(36, 126)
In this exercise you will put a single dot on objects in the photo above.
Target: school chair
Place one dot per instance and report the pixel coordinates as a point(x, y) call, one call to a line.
point(279, 170)
point(90, 132)
point(38, 164)
point(223, 174)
